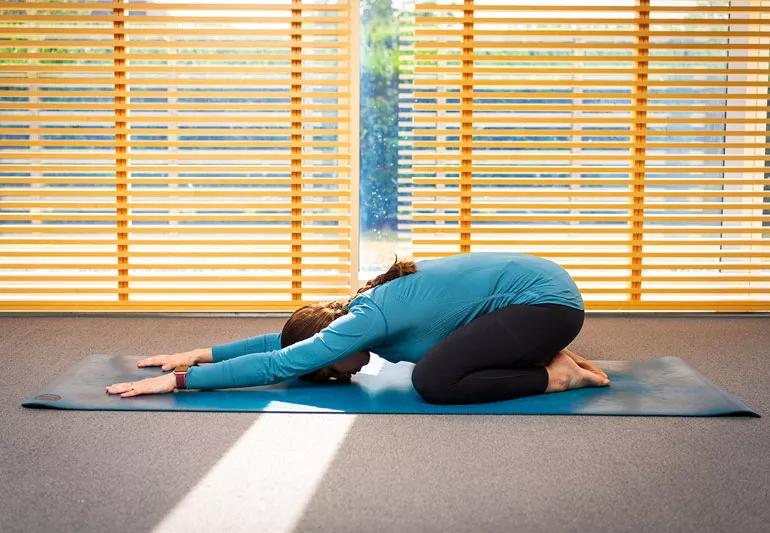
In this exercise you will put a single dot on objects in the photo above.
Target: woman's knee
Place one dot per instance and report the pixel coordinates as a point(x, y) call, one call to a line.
point(429, 385)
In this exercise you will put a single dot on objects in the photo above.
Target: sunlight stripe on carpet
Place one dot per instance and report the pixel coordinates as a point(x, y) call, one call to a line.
point(268, 476)
point(265, 480)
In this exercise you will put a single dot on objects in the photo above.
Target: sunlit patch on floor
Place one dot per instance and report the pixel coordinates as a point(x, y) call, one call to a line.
point(265, 480)
point(268, 476)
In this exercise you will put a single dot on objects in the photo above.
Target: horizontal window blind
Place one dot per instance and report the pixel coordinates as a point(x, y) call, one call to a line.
point(626, 140)
point(175, 155)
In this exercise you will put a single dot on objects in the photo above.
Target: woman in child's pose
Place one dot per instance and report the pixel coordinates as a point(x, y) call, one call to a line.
point(479, 327)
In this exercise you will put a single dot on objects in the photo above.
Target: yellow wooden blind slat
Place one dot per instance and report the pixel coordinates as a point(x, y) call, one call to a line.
point(568, 57)
point(341, 279)
point(180, 44)
point(338, 265)
point(161, 6)
point(230, 306)
point(138, 242)
point(688, 7)
point(430, 20)
point(261, 18)
point(234, 229)
point(193, 32)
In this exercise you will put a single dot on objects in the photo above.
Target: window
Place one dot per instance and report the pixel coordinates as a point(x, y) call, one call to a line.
point(175, 155)
point(184, 155)
point(626, 140)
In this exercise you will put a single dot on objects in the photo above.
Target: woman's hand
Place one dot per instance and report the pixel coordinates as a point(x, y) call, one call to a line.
point(582, 362)
point(156, 385)
point(170, 361)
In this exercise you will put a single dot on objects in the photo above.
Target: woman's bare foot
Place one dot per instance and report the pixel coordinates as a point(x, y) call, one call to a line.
point(565, 374)
point(582, 362)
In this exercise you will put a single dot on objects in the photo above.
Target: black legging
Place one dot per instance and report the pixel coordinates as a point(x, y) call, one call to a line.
point(497, 356)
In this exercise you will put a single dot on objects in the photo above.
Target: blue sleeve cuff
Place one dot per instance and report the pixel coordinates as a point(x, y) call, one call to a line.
point(210, 376)
point(246, 371)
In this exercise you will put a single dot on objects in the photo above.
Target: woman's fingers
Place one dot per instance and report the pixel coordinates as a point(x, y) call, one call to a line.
point(155, 360)
point(119, 388)
point(127, 389)
point(166, 362)
point(131, 392)
point(156, 385)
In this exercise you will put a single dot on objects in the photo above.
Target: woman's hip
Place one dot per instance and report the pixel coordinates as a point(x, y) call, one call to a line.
point(543, 328)
point(567, 322)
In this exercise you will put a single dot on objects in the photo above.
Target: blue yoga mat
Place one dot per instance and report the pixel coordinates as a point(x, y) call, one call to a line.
point(662, 386)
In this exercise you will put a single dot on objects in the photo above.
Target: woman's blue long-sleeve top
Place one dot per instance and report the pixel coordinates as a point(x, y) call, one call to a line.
point(400, 320)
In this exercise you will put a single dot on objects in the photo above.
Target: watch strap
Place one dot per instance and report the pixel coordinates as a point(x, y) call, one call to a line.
point(180, 373)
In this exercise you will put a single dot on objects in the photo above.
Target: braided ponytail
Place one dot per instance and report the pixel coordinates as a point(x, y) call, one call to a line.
point(396, 270)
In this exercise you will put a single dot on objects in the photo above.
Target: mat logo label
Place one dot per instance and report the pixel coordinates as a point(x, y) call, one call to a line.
point(48, 397)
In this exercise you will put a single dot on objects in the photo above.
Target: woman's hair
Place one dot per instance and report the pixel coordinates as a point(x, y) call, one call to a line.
point(310, 319)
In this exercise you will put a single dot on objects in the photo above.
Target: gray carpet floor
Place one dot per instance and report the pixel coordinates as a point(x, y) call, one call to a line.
point(129, 471)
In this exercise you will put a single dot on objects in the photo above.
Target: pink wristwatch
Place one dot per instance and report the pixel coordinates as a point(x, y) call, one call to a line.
point(180, 373)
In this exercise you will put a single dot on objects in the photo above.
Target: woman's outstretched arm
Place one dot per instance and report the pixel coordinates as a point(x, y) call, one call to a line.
point(168, 361)
point(219, 352)
point(265, 342)
point(362, 327)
